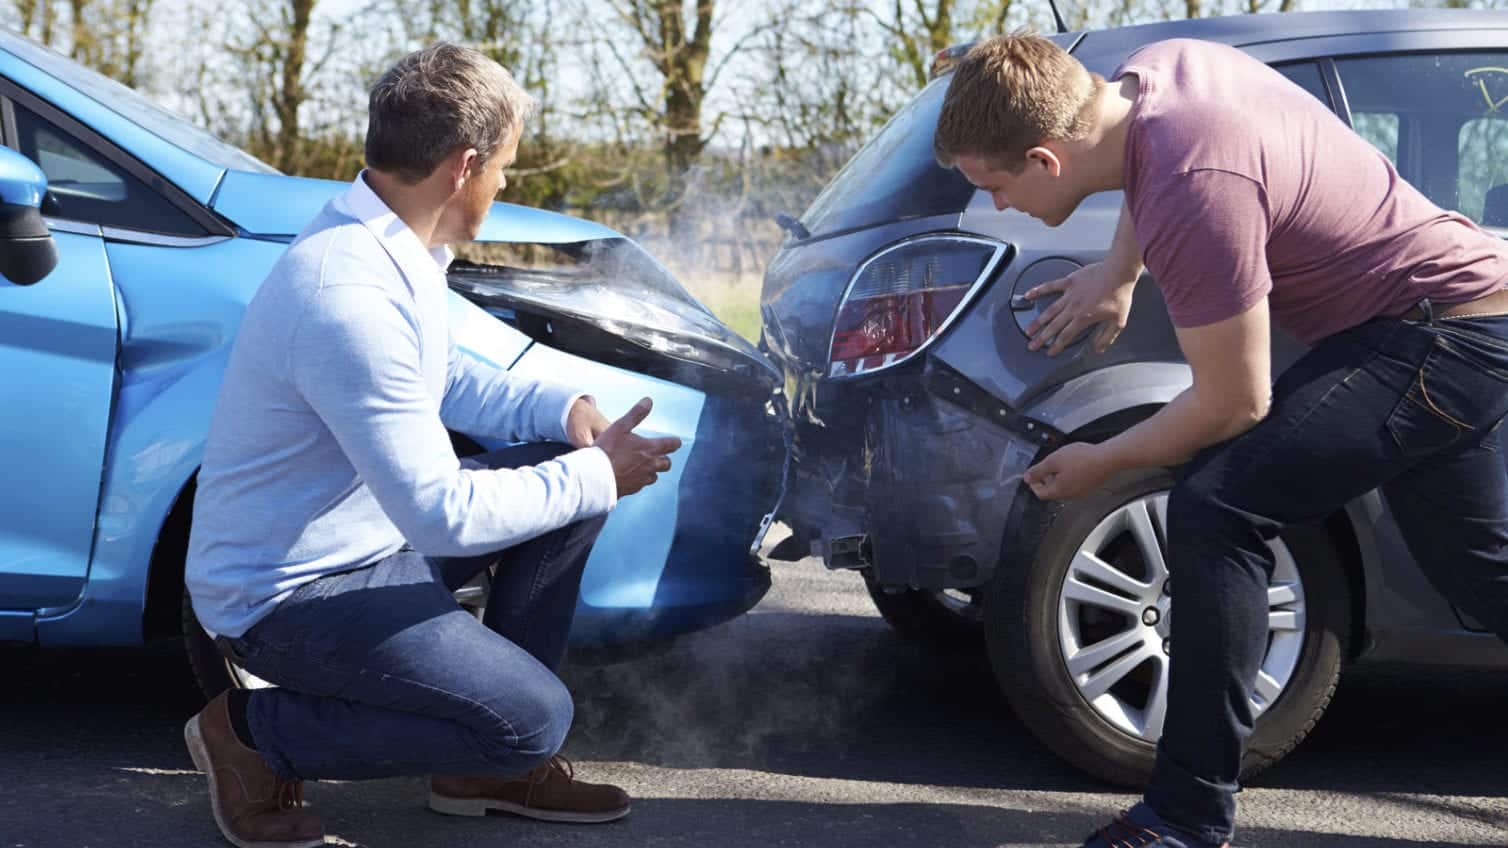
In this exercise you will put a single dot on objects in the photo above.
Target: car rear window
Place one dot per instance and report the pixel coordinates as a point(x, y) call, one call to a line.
point(894, 177)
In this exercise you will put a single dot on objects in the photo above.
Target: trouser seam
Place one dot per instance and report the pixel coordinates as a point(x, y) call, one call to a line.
point(548, 559)
point(347, 670)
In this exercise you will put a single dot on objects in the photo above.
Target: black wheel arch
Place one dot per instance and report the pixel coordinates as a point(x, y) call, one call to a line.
point(1340, 527)
point(162, 612)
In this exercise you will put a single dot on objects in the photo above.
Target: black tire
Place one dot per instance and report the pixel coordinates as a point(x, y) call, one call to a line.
point(928, 617)
point(1021, 630)
point(210, 670)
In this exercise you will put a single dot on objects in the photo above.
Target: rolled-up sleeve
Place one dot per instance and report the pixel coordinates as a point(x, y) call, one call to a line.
point(1203, 236)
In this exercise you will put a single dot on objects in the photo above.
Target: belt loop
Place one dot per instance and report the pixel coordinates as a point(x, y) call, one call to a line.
point(1429, 311)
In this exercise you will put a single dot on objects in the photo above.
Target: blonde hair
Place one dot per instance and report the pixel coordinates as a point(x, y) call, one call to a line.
point(1010, 94)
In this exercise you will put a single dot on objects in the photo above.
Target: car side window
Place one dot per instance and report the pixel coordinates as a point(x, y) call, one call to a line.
point(1380, 129)
point(1442, 119)
point(85, 186)
point(1482, 150)
point(1306, 75)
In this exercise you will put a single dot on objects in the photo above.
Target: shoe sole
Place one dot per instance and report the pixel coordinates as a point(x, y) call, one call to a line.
point(481, 806)
point(199, 753)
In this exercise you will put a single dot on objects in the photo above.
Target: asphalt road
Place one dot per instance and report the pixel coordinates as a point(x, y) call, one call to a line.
point(804, 723)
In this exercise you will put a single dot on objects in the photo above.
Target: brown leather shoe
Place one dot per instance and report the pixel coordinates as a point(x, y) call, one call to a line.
point(550, 792)
point(252, 806)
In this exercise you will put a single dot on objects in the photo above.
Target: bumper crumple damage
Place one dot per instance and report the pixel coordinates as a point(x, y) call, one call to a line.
point(901, 465)
point(912, 475)
point(609, 300)
point(614, 308)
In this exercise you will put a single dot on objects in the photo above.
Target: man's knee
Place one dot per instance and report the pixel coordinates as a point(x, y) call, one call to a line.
point(1194, 505)
point(535, 717)
point(1210, 532)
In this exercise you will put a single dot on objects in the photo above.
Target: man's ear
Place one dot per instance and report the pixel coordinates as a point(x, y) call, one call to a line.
point(463, 164)
point(1047, 158)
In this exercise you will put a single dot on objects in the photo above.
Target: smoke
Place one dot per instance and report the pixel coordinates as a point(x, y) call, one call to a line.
point(773, 684)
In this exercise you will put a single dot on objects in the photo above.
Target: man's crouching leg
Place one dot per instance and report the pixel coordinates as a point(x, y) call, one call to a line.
point(532, 603)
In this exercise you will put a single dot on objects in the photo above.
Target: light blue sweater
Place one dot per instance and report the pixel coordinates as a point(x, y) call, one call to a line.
point(327, 450)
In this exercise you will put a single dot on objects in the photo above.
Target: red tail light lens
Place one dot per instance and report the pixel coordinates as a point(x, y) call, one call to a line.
point(904, 297)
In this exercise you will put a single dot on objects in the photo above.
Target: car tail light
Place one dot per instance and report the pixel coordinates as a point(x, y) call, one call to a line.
point(904, 297)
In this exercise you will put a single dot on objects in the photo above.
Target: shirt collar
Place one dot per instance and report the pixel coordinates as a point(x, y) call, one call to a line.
point(414, 259)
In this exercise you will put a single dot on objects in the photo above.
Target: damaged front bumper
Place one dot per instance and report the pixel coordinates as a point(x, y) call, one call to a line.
point(912, 475)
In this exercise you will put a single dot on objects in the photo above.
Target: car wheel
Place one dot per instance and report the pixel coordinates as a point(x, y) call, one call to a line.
point(942, 618)
point(1077, 637)
point(213, 672)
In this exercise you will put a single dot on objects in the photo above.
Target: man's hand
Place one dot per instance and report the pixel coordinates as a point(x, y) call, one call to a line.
point(1096, 294)
point(637, 461)
point(1231, 392)
point(585, 422)
point(1069, 472)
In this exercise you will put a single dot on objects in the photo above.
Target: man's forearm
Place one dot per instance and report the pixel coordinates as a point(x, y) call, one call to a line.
point(485, 400)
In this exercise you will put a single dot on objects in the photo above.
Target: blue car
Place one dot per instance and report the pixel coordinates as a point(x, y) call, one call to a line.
point(111, 365)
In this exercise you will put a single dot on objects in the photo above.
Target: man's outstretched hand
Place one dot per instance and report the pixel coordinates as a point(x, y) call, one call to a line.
point(637, 461)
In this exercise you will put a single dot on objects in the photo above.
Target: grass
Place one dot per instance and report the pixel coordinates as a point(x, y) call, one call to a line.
point(732, 297)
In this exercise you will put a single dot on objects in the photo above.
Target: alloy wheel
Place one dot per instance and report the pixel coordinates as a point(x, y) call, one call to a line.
point(1115, 612)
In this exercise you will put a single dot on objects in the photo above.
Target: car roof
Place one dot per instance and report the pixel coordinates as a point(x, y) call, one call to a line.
point(1246, 30)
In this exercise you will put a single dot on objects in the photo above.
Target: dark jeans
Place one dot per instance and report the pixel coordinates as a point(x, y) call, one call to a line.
point(1411, 407)
point(381, 673)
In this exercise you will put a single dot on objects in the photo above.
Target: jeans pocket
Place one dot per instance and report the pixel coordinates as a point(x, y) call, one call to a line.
point(1418, 428)
point(1437, 410)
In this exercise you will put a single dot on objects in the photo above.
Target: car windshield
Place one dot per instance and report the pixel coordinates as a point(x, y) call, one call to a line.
point(131, 105)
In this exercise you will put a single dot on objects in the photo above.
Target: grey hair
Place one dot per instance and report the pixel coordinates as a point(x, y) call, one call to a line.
point(435, 101)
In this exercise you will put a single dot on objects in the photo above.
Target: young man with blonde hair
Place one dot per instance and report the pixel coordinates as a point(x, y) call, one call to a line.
point(1251, 204)
point(333, 520)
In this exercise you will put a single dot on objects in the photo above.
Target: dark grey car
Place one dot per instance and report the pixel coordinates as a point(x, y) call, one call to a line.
point(896, 315)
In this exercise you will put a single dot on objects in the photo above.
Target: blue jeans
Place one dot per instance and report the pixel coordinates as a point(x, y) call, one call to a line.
point(1411, 407)
point(381, 673)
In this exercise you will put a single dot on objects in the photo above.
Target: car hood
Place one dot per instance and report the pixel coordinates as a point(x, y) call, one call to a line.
point(278, 206)
point(615, 303)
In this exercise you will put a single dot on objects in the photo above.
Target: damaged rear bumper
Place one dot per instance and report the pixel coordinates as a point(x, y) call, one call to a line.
point(913, 477)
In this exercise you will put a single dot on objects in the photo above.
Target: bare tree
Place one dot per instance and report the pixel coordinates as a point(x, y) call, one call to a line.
point(133, 39)
point(291, 92)
point(83, 37)
point(677, 46)
point(272, 59)
point(918, 33)
point(26, 10)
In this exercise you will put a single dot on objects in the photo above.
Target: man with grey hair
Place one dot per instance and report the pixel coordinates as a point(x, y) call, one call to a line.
point(333, 520)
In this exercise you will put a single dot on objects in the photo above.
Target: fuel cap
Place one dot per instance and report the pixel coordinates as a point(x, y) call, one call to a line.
point(1039, 272)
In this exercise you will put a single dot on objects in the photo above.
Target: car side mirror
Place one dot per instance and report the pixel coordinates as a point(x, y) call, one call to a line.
point(27, 251)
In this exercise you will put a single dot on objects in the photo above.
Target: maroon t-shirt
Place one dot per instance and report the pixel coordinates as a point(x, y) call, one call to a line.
point(1242, 186)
